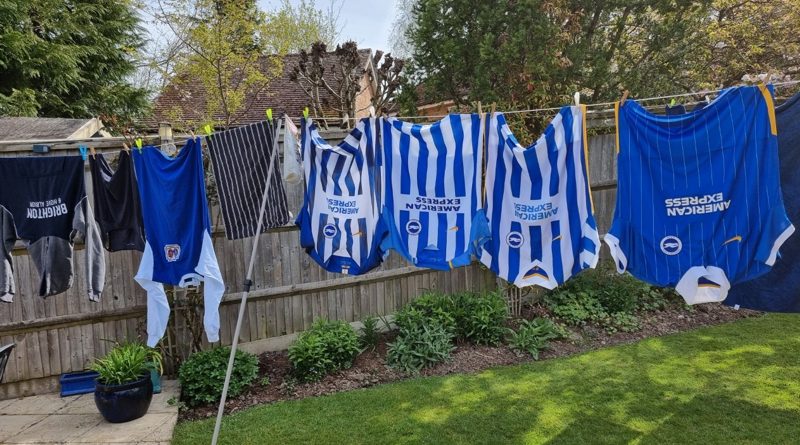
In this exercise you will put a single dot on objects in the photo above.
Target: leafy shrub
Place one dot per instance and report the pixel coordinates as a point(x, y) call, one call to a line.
point(326, 347)
point(575, 308)
point(621, 321)
point(604, 297)
point(480, 318)
point(370, 333)
point(429, 308)
point(202, 375)
point(126, 362)
point(420, 346)
point(534, 336)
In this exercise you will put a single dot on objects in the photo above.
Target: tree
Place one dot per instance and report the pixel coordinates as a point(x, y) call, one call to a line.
point(339, 79)
point(743, 39)
point(69, 59)
point(387, 79)
point(536, 53)
point(224, 48)
point(231, 48)
point(341, 76)
point(305, 24)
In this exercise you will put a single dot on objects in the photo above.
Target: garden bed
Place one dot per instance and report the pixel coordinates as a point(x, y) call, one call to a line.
point(276, 383)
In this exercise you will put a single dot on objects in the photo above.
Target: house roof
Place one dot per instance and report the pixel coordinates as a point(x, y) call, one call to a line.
point(43, 128)
point(185, 101)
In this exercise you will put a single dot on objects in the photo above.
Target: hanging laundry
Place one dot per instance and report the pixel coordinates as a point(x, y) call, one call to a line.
point(116, 201)
point(292, 172)
point(699, 203)
point(340, 218)
point(432, 202)
point(777, 291)
point(242, 158)
point(178, 248)
point(43, 203)
point(539, 204)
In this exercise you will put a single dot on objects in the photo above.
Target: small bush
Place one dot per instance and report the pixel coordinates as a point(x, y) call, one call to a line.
point(534, 336)
point(480, 318)
point(370, 333)
point(575, 308)
point(621, 321)
point(202, 375)
point(419, 347)
point(429, 308)
point(126, 362)
point(326, 347)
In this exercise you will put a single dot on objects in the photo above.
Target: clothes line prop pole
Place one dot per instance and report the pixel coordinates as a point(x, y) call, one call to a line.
point(247, 284)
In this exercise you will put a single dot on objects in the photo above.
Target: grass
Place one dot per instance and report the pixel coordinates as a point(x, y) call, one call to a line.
point(732, 384)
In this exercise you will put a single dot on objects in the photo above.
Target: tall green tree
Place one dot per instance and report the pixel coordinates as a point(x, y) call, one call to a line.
point(536, 52)
point(69, 58)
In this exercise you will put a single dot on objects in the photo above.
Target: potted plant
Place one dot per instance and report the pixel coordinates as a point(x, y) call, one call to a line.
point(124, 388)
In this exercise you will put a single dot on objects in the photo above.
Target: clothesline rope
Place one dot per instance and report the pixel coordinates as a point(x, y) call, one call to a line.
point(600, 104)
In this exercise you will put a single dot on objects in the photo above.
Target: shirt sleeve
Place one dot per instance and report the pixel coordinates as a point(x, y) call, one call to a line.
point(8, 236)
point(85, 229)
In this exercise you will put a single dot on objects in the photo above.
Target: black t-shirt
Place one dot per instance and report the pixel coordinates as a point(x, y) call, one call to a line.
point(116, 203)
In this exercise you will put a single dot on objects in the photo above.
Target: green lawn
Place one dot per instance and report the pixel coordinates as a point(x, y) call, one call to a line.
point(733, 384)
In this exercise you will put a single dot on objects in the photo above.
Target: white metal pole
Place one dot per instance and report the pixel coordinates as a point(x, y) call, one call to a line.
point(247, 283)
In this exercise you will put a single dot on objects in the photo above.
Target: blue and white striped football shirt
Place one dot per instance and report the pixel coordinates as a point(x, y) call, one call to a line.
point(539, 203)
point(340, 219)
point(432, 190)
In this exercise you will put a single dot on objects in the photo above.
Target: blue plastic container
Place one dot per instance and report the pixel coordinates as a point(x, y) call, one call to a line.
point(77, 383)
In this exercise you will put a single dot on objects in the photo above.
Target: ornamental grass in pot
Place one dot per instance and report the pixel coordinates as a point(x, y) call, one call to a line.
point(124, 387)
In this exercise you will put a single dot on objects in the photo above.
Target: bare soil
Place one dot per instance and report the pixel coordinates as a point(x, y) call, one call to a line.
point(370, 367)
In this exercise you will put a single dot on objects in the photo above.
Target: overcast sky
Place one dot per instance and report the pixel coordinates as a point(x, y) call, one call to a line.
point(368, 22)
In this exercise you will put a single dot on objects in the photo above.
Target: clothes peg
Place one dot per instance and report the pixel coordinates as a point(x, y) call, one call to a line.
point(672, 102)
point(82, 149)
point(494, 107)
point(269, 114)
point(480, 108)
point(577, 98)
point(207, 127)
point(371, 111)
point(139, 144)
point(305, 112)
point(125, 147)
point(91, 150)
point(624, 97)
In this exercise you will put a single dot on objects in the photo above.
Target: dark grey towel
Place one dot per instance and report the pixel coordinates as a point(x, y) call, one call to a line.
point(241, 158)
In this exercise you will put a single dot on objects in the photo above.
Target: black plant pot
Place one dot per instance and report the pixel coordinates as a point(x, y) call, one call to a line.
point(126, 402)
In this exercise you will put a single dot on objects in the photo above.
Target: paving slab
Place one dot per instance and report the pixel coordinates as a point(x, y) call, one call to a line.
point(12, 425)
point(50, 419)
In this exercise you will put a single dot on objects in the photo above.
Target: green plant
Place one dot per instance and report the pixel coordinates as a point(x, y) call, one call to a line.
point(202, 375)
point(621, 321)
point(326, 347)
point(429, 308)
point(126, 362)
point(480, 318)
point(533, 336)
point(575, 307)
point(264, 381)
point(420, 346)
point(370, 333)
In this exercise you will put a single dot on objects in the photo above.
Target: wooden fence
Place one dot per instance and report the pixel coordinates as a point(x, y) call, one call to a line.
point(63, 333)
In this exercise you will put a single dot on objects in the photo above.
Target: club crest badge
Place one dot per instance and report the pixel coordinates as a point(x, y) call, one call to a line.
point(172, 252)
